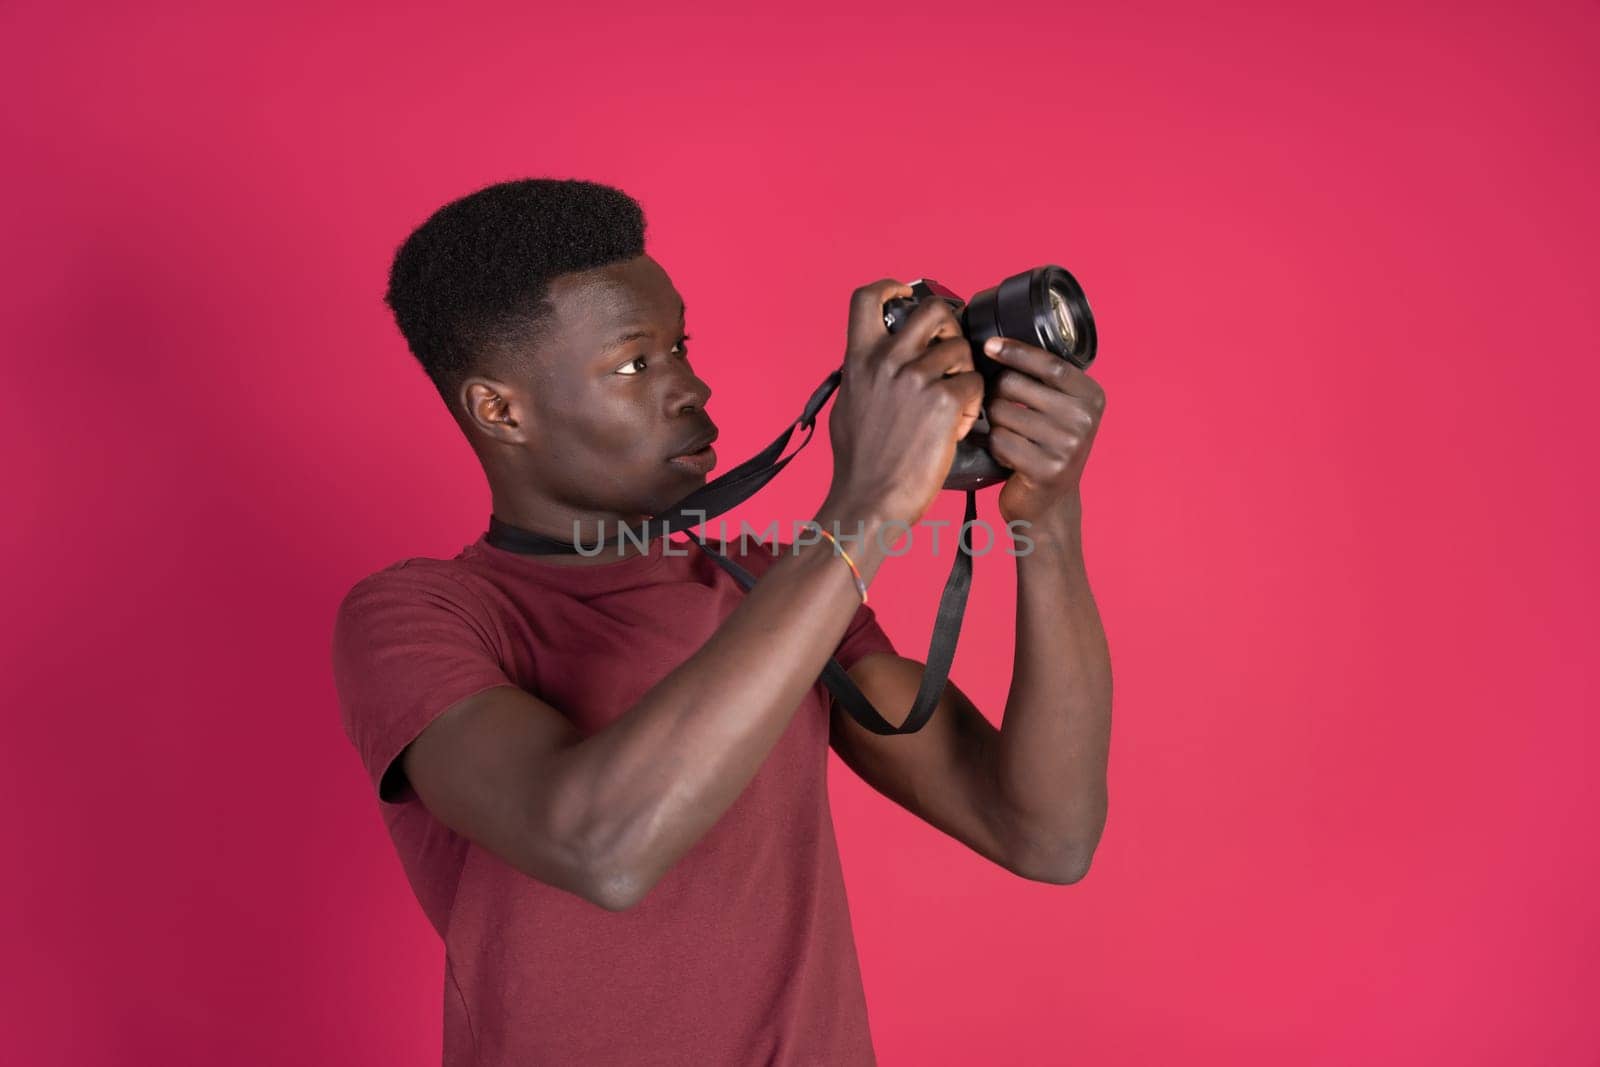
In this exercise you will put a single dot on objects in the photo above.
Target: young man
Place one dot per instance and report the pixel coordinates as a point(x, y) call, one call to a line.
point(605, 775)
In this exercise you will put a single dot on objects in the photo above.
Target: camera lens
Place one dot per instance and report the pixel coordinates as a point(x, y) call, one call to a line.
point(1058, 304)
point(1061, 315)
point(1044, 306)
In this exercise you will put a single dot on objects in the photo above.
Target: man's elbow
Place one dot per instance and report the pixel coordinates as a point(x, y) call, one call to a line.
point(1060, 868)
point(612, 867)
point(617, 878)
point(602, 875)
point(614, 889)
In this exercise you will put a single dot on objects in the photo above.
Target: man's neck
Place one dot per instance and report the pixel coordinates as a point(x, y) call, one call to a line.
point(599, 536)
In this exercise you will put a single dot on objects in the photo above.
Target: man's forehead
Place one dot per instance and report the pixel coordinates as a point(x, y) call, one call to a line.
point(600, 300)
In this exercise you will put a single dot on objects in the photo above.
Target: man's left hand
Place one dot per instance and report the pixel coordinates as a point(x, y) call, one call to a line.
point(1043, 415)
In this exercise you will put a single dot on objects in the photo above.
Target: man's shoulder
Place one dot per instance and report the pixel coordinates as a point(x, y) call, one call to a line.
point(415, 571)
point(414, 580)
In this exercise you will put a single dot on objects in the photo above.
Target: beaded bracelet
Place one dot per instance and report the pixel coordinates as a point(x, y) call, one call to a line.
point(861, 586)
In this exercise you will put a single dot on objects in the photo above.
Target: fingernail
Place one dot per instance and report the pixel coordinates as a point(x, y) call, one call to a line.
point(993, 345)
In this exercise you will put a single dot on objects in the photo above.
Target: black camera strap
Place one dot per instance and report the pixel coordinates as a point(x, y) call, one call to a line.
point(739, 484)
point(941, 650)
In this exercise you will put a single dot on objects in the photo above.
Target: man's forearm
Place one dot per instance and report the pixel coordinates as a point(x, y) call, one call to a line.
point(657, 779)
point(1050, 760)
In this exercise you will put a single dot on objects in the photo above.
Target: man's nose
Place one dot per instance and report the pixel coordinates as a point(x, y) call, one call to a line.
point(688, 393)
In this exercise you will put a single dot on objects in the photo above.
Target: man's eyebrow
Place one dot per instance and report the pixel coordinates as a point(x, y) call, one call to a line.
point(639, 335)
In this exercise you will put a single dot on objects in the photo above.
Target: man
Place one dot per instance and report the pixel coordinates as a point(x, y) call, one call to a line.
point(605, 775)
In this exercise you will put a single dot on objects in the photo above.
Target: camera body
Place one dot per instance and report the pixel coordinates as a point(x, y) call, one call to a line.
point(1044, 306)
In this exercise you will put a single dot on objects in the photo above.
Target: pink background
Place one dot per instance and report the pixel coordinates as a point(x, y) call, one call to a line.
point(1340, 516)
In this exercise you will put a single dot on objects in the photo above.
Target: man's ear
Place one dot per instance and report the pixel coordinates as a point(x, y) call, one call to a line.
point(495, 410)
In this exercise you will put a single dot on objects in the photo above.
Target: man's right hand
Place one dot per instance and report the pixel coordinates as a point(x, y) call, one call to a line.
point(906, 398)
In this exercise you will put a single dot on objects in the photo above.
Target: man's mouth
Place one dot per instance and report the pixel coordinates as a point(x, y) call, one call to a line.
point(697, 444)
point(697, 455)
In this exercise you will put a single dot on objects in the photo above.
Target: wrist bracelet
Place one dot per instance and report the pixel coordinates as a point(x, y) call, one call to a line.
point(861, 586)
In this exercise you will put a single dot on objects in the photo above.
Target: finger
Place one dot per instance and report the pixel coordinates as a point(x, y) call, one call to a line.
point(866, 313)
point(1046, 366)
point(952, 356)
point(1036, 426)
point(933, 320)
point(1018, 453)
point(967, 390)
point(1024, 389)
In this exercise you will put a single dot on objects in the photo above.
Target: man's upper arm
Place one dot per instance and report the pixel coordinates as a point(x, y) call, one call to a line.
point(487, 769)
point(434, 717)
point(943, 773)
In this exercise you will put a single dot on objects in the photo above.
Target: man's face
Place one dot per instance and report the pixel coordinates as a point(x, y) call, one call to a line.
point(613, 396)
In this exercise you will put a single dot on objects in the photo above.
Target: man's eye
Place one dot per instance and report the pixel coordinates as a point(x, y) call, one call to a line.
point(682, 348)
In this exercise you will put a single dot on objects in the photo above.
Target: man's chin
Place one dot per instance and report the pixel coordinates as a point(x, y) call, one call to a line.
point(677, 489)
point(666, 496)
point(658, 495)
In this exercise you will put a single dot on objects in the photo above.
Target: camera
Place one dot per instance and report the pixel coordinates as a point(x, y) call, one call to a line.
point(1044, 306)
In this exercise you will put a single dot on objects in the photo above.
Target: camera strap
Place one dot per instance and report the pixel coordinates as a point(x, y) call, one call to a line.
point(941, 650)
point(739, 484)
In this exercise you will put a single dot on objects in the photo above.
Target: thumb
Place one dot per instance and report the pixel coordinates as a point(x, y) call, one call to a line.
point(971, 408)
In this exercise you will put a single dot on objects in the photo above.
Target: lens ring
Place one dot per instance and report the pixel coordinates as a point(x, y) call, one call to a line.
point(1062, 316)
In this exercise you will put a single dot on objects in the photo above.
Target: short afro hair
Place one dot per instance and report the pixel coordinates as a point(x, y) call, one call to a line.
point(474, 278)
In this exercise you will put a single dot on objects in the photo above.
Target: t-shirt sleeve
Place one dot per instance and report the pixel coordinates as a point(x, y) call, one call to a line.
point(863, 635)
point(408, 642)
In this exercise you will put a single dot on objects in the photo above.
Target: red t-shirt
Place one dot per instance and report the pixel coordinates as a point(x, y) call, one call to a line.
point(741, 954)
